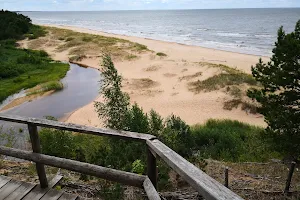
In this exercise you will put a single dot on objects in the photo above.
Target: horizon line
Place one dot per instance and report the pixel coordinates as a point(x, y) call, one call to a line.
point(155, 9)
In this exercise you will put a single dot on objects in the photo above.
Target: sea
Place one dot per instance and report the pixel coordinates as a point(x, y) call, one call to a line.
point(249, 31)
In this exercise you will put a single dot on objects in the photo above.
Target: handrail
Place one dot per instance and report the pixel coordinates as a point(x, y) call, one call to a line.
point(76, 128)
point(204, 184)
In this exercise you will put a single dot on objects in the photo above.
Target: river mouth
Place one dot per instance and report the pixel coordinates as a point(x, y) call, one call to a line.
point(81, 86)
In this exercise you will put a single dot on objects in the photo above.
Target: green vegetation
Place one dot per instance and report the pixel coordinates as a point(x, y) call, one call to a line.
point(45, 87)
point(231, 141)
point(16, 26)
point(161, 54)
point(228, 77)
point(280, 93)
point(78, 44)
point(23, 68)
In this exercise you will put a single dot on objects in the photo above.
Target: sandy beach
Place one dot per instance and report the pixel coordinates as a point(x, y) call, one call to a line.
point(161, 82)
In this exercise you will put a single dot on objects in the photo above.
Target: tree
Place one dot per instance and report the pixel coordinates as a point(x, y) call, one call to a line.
point(280, 93)
point(114, 108)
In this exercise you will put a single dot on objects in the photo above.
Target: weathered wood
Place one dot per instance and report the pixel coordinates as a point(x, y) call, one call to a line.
point(77, 128)
point(36, 148)
point(52, 194)
point(204, 184)
point(39, 192)
point(21, 191)
point(8, 188)
point(151, 167)
point(67, 196)
point(226, 184)
point(150, 190)
point(4, 180)
point(85, 168)
point(289, 178)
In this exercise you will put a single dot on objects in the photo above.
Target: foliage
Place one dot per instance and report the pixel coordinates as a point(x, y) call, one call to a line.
point(15, 26)
point(23, 68)
point(57, 143)
point(177, 135)
point(231, 141)
point(138, 167)
point(113, 110)
point(280, 93)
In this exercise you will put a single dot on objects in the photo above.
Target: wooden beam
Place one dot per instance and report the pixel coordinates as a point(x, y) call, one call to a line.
point(85, 168)
point(151, 167)
point(207, 187)
point(36, 148)
point(150, 190)
point(77, 128)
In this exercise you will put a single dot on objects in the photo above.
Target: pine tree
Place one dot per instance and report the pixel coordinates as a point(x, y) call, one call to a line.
point(280, 93)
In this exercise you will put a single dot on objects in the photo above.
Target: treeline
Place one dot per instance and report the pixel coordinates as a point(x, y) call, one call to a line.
point(23, 68)
point(15, 26)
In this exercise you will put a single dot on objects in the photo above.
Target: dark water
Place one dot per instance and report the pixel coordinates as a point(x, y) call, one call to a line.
point(251, 31)
point(81, 86)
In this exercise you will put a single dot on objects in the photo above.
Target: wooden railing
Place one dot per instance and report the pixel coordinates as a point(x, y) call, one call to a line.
point(204, 184)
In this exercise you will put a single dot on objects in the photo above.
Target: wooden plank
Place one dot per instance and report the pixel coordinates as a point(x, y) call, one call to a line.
point(39, 192)
point(52, 194)
point(8, 188)
point(151, 167)
point(150, 190)
point(4, 180)
point(85, 168)
point(67, 196)
point(77, 128)
point(204, 184)
point(21, 191)
point(36, 148)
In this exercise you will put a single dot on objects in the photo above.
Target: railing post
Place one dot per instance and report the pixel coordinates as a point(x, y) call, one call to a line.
point(226, 184)
point(289, 179)
point(36, 148)
point(151, 167)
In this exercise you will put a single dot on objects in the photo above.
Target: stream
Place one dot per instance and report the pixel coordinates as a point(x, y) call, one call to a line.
point(81, 86)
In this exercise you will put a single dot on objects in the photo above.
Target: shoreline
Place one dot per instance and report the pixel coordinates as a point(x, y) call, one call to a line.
point(160, 82)
point(145, 38)
point(133, 38)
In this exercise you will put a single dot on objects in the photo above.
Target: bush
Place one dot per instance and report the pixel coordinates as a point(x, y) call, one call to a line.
point(231, 141)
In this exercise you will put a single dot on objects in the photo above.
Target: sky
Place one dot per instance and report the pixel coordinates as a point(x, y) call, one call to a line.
point(88, 5)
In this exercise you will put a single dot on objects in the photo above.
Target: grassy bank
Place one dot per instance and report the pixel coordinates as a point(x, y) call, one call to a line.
point(22, 69)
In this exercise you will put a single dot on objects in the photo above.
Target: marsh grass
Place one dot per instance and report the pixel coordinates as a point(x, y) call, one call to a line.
point(228, 77)
point(49, 86)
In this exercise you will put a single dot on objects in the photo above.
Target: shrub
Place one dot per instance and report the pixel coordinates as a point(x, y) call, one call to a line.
point(231, 141)
point(161, 54)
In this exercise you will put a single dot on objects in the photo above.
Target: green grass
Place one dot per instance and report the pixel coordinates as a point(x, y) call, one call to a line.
point(161, 54)
point(23, 69)
point(231, 141)
point(49, 86)
point(228, 77)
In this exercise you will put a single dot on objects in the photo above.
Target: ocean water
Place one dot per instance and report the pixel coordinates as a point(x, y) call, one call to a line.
point(250, 31)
